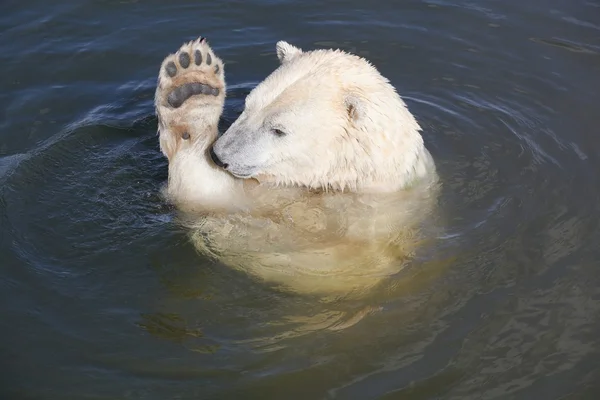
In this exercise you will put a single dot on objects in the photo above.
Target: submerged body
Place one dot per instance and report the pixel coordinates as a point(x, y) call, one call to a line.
point(322, 183)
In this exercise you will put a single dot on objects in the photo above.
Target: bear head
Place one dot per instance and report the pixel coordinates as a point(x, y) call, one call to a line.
point(324, 119)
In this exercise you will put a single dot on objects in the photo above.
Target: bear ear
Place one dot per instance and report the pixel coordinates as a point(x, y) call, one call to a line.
point(355, 106)
point(286, 52)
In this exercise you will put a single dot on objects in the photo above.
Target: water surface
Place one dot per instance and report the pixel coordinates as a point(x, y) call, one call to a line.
point(103, 296)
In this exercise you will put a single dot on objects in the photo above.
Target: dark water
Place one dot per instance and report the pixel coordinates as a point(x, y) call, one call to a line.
point(103, 297)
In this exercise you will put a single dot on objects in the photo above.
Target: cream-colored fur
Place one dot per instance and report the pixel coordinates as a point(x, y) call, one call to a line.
point(334, 205)
point(194, 181)
point(344, 126)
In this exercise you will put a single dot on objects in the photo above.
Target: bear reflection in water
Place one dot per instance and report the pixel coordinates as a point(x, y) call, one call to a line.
point(322, 185)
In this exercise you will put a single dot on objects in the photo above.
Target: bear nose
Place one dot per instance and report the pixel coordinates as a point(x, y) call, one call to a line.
point(216, 159)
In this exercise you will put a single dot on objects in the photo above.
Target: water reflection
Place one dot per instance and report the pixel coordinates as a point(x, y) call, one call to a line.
point(331, 244)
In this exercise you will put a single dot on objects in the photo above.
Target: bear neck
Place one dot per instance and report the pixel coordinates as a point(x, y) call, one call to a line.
point(381, 169)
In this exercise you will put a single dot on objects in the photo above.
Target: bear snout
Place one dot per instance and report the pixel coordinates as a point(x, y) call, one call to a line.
point(216, 159)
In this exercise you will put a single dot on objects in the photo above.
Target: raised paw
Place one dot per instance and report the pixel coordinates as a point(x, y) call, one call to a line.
point(193, 72)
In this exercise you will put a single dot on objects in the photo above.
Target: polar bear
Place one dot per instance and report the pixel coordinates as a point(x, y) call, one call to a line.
point(320, 185)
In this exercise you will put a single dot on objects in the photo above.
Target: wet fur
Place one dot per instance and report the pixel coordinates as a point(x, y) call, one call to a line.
point(291, 231)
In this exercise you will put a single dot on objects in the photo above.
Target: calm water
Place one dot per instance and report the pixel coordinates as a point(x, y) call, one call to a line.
point(103, 297)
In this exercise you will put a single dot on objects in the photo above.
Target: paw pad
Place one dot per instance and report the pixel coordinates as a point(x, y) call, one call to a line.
point(184, 60)
point(181, 62)
point(171, 69)
point(180, 94)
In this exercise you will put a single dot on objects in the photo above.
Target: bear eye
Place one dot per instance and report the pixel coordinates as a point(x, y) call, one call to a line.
point(278, 132)
point(185, 136)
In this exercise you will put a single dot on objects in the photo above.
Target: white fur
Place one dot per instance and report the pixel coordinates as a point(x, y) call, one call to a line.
point(194, 181)
point(347, 129)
